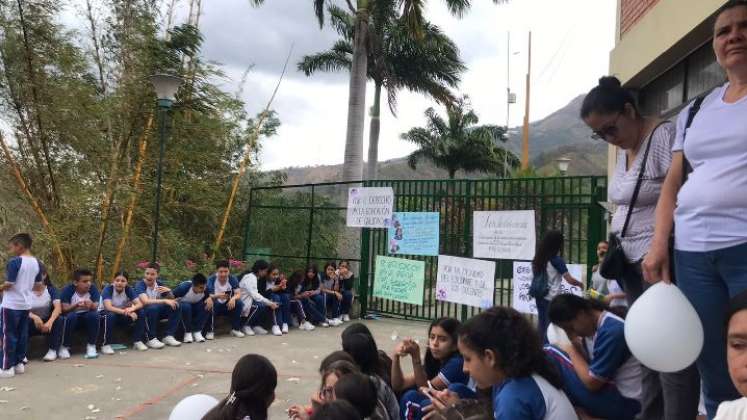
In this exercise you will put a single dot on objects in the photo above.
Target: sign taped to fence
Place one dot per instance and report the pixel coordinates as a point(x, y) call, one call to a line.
point(504, 235)
point(370, 207)
point(399, 279)
point(520, 299)
point(414, 233)
point(466, 281)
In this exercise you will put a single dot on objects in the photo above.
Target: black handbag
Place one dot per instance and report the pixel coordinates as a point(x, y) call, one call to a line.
point(615, 263)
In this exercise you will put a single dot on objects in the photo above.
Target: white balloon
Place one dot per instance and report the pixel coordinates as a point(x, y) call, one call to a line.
point(193, 407)
point(557, 336)
point(662, 329)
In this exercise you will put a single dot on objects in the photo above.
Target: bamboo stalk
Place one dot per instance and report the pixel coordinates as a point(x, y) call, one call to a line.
point(136, 190)
point(61, 260)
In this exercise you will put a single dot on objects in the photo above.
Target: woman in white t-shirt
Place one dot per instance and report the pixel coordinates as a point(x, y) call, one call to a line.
point(709, 208)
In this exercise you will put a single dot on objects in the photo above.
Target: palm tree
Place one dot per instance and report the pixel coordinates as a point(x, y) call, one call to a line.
point(412, 15)
point(395, 62)
point(460, 143)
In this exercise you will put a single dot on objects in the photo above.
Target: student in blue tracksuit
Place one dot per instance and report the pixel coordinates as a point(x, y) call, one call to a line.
point(442, 367)
point(347, 284)
point(46, 316)
point(21, 273)
point(311, 297)
point(332, 293)
point(606, 375)
point(502, 350)
point(224, 299)
point(299, 302)
point(256, 305)
point(122, 307)
point(80, 305)
point(276, 290)
point(192, 296)
point(159, 303)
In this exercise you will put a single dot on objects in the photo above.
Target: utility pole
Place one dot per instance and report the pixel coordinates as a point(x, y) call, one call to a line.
point(525, 139)
point(508, 98)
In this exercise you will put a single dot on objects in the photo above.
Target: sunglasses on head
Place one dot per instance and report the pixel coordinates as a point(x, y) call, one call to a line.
point(609, 130)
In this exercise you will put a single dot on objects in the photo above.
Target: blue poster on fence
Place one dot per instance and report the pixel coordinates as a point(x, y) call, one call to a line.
point(412, 233)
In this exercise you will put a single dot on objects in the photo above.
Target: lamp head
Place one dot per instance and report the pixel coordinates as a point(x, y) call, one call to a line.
point(166, 87)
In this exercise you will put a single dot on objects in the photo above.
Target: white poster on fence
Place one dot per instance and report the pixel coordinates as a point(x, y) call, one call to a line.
point(370, 207)
point(466, 281)
point(522, 302)
point(503, 235)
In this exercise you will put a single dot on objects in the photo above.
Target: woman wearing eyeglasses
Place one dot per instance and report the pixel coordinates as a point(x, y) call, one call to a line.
point(643, 159)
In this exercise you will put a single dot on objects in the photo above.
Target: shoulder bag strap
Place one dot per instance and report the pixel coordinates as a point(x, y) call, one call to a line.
point(638, 183)
point(686, 167)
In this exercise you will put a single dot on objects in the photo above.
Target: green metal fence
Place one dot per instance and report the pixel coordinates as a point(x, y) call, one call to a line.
point(302, 224)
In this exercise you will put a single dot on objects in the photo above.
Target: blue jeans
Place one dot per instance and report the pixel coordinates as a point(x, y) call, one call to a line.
point(111, 320)
point(14, 336)
point(282, 314)
point(331, 302)
point(91, 322)
point(157, 312)
point(194, 316)
point(221, 309)
point(54, 337)
point(542, 321)
point(347, 302)
point(709, 280)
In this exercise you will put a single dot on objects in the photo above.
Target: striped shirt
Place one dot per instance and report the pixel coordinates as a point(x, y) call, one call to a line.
point(640, 231)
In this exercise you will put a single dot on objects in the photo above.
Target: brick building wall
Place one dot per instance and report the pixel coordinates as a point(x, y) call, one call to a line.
point(631, 11)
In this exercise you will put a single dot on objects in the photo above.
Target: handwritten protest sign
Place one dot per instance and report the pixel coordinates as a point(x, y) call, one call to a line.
point(466, 281)
point(413, 233)
point(370, 207)
point(522, 302)
point(507, 235)
point(399, 279)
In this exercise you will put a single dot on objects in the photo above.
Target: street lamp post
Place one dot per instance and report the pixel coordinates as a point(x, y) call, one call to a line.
point(563, 163)
point(165, 86)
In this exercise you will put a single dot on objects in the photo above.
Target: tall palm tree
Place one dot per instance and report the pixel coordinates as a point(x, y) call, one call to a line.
point(412, 15)
point(395, 62)
point(460, 143)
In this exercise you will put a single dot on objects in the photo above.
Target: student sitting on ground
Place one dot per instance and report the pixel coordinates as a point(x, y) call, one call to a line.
point(80, 303)
point(501, 349)
point(736, 357)
point(312, 297)
point(193, 306)
point(253, 383)
point(46, 316)
point(331, 293)
point(21, 273)
point(159, 304)
point(276, 290)
point(122, 307)
point(360, 391)
point(347, 280)
point(256, 306)
point(442, 367)
point(609, 364)
point(385, 362)
point(224, 295)
point(298, 302)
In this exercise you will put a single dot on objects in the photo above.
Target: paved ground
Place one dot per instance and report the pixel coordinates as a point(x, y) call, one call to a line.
point(135, 385)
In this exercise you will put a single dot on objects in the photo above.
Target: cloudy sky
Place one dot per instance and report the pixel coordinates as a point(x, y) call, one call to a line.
point(571, 44)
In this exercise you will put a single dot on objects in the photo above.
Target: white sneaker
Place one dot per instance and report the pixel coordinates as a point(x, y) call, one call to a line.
point(63, 353)
point(155, 344)
point(307, 326)
point(346, 318)
point(107, 349)
point(9, 373)
point(188, 338)
point(198, 337)
point(91, 351)
point(50, 356)
point(20, 369)
point(171, 341)
point(248, 330)
point(260, 331)
point(237, 334)
point(210, 336)
point(324, 324)
point(139, 346)
point(285, 329)
point(276, 330)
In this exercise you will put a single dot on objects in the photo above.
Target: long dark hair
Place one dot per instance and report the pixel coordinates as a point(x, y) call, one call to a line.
point(608, 97)
point(451, 327)
point(295, 280)
point(514, 340)
point(359, 390)
point(363, 349)
point(259, 265)
point(326, 266)
point(253, 385)
point(549, 246)
point(385, 362)
point(566, 307)
point(335, 356)
point(336, 410)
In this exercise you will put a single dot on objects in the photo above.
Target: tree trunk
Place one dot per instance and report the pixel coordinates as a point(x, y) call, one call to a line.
point(353, 165)
point(373, 135)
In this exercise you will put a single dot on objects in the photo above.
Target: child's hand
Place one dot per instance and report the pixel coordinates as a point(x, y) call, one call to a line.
point(273, 305)
point(298, 412)
point(46, 327)
point(163, 289)
point(209, 304)
point(338, 295)
point(231, 304)
point(132, 315)
point(172, 303)
point(38, 323)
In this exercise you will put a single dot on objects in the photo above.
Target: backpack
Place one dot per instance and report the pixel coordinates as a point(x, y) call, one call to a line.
point(539, 287)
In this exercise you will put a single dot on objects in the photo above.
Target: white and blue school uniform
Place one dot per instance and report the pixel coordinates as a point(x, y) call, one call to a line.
point(255, 304)
point(451, 374)
point(314, 306)
point(192, 307)
point(22, 272)
point(282, 298)
point(154, 312)
point(530, 398)
point(220, 305)
point(331, 301)
point(122, 300)
point(88, 317)
point(42, 305)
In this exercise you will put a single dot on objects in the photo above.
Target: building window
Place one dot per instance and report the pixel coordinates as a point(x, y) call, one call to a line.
point(703, 72)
